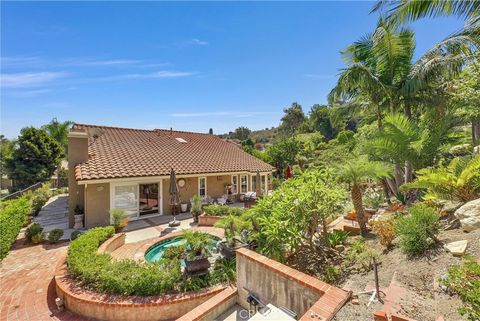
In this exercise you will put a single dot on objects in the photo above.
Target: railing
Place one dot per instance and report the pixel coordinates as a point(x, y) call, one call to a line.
point(23, 191)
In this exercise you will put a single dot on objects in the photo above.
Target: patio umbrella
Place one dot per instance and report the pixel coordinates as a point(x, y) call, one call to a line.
point(174, 195)
point(258, 188)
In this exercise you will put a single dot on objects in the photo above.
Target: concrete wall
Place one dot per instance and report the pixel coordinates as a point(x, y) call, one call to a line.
point(262, 277)
point(97, 199)
point(77, 153)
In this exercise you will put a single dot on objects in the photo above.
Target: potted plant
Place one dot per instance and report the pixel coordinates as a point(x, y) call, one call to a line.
point(231, 224)
point(196, 208)
point(120, 219)
point(197, 252)
point(79, 213)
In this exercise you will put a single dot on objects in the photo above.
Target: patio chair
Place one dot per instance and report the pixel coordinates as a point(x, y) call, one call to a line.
point(221, 201)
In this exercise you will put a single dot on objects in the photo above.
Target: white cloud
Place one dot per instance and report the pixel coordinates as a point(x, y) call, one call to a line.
point(30, 79)
point(234, 114)
point(319, 76)
point(198, 42)
point(157, 74)
point(192, 42)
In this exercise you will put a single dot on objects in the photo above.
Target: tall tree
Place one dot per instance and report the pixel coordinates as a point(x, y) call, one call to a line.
point(59, 131)
point(6, 153)
point(35, 157)
point(355, 174)
point(320, 119)
point(241, 133)
point(293, 117)
point(465, 95)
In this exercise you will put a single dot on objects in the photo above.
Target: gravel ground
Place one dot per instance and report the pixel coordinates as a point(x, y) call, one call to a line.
point(416, 275)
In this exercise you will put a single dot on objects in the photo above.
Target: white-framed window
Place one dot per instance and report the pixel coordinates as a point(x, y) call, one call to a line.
point(254, 183)
point(125, 197)
point(263, 183)
point(202, 186)
point(234, 184)
point(243, 183)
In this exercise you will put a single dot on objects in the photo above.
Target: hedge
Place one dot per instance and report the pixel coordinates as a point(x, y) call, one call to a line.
point(223, 210)
point(13, 216)
point(126, 277)
point(102, 273)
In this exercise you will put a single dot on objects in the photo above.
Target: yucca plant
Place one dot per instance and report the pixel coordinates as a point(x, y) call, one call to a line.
point(460, 180)
point(357, 172)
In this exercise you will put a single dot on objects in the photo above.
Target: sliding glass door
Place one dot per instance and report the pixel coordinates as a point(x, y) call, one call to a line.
point(148, 199)
point(136, 199)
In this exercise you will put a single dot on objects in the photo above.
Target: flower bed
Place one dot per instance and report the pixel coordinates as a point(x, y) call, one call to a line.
point(213, 213)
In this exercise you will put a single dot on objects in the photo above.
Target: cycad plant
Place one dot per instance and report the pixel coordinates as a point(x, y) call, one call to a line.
point(355, 174)
point(460, 180)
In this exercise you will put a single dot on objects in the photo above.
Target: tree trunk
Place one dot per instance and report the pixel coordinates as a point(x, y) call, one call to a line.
point(475, 132)
point(399, 175)
point(393, 186)
point(358, 205)
point(407, 111)
point(408, 172)
point(386, 189)
point(379, 118)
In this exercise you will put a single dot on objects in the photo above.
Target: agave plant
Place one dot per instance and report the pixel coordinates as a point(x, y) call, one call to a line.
point(460, 180)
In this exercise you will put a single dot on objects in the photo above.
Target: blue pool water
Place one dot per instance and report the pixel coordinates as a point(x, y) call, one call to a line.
point(156, 252)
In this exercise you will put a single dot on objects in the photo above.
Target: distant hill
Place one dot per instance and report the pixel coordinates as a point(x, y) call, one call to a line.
point(264, 136)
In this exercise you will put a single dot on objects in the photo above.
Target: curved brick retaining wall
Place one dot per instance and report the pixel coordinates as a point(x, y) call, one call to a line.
point(126, 308)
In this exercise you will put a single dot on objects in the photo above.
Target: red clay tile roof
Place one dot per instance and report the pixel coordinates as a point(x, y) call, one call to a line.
point(124, 152)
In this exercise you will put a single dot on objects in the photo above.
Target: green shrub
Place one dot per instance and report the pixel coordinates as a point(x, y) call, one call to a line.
point(33, 231)
point(126, 277)
point(38, 238)
point(13, 216)
point(75, 235)
point(465, 281)
point(418, 230)
point(223, 210)
point(336, 237)
point(39, 197)
point(55, 235)
point(360, 255)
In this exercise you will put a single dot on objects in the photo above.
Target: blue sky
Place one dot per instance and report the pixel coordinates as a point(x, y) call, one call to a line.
point(186, 65)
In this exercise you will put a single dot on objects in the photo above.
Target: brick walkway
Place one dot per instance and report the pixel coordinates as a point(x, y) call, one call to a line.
point(27, 291)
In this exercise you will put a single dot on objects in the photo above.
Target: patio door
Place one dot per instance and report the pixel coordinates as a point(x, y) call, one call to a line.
point(148, 200)
point(125, 197)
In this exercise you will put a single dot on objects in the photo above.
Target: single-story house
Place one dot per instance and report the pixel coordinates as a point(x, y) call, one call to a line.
point(126, 168)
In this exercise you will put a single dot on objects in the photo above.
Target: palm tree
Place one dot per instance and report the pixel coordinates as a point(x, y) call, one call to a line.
point(355, 174)
point(59, 131)
point(461, 45)
point(460, 180)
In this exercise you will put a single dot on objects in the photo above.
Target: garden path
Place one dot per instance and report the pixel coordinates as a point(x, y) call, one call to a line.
point(27, 288)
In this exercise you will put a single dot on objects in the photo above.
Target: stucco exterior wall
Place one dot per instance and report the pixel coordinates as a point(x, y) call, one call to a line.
point(97, 200)
point(215, 189)
point(271, 287)
point(77, 153)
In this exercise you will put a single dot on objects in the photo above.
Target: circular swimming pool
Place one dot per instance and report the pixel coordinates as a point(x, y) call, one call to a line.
point(155, 253)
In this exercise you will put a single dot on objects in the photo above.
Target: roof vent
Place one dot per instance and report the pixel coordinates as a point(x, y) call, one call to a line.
point(181, 140)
